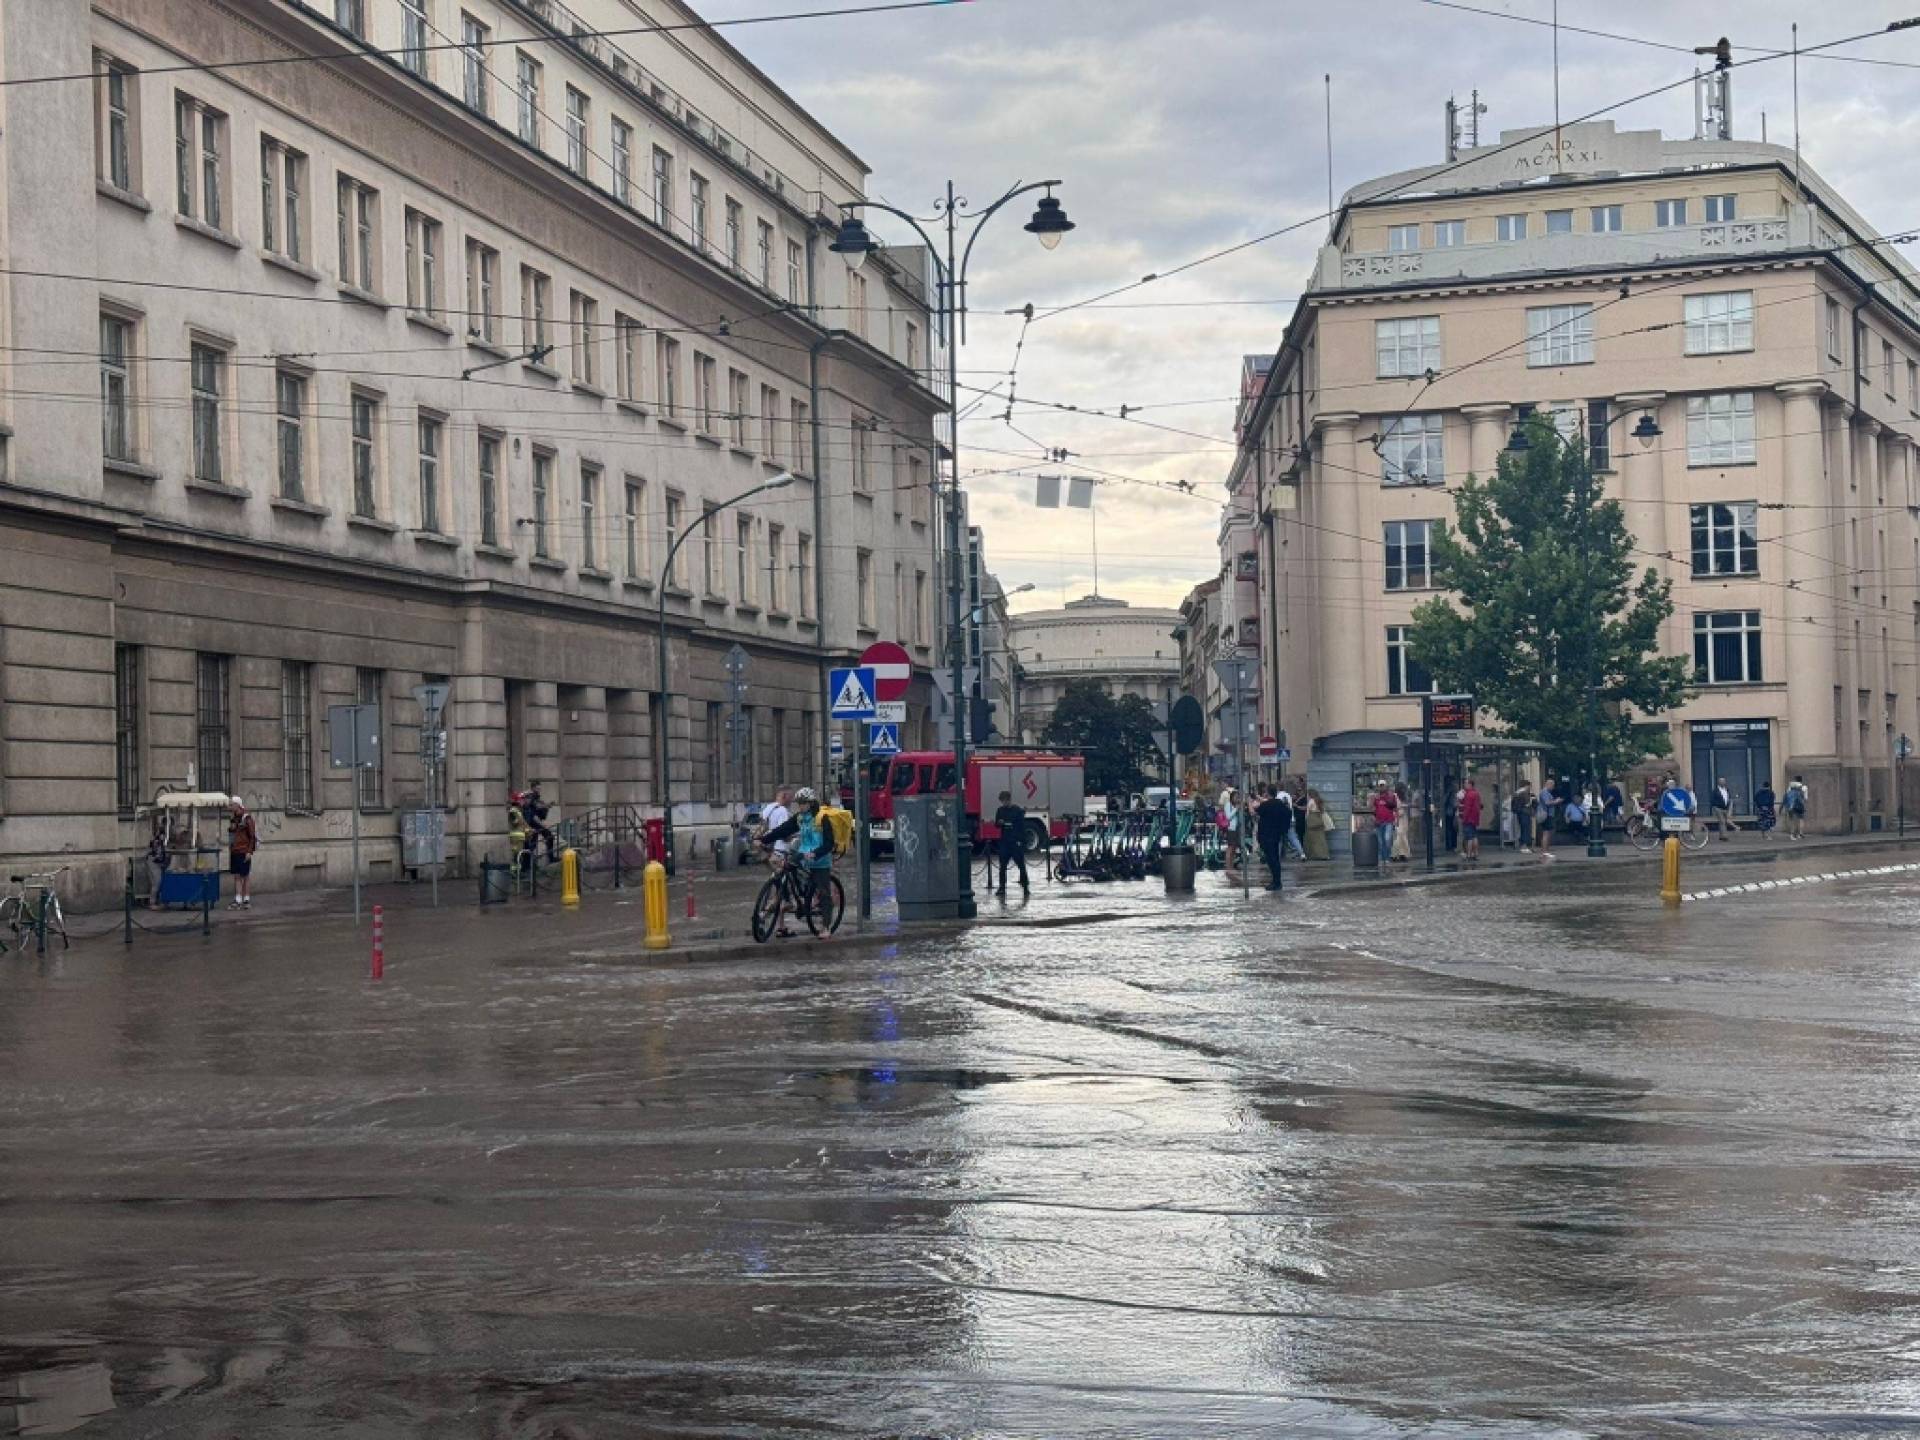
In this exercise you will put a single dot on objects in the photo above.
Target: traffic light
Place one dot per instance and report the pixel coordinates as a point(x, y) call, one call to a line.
point(980, 726)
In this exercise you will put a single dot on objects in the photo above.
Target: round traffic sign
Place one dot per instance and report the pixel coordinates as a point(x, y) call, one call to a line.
point(892, 669)
point(1269, 747)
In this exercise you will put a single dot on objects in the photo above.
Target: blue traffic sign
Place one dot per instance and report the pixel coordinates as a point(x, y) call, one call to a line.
point(1676, 802)
point(852, 692)
point(884, 740)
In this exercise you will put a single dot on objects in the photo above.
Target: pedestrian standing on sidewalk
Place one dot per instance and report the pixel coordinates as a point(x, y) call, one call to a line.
point(1011, 821)
point(1230, 826)
point(1273, 821)
point(1799, 801)
point(1297, 840)
point(1469, 810)
point(1450, 813)
point(1521, 808)
point(1319, 826)
point(1722, 806)
point(243, 838)
point(1543, 808)
point(1764, 806)
point(1403, 822)
point(159, 856)
point(1386, 810)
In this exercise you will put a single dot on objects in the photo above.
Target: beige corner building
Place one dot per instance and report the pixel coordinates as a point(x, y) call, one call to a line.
point(404, 357)
point(1715, 286)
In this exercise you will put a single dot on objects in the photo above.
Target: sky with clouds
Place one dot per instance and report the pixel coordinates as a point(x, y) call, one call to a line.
point(1181, 129)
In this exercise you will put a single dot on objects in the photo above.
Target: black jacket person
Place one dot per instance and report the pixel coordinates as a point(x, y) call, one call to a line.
point(1011, 821)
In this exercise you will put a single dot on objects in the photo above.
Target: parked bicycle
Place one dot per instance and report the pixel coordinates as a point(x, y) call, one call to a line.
point(815, 897)
point(1644, 832)
point(31, 909)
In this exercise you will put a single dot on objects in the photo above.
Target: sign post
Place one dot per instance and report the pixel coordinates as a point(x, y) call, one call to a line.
point(852, 693)
point(432, 699)
point(1901, 750)
point(1237, 676)
point(353, 744)
point(1437, 712)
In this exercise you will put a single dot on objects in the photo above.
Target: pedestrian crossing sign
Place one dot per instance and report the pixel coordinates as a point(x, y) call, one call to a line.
point(885, 740)
point(852, 691)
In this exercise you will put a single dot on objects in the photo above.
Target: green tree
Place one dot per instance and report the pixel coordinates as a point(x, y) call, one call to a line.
point(1549, 623)
point(1116, 736)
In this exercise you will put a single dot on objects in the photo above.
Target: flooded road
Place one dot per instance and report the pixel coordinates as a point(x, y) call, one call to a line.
point(1502, 1159)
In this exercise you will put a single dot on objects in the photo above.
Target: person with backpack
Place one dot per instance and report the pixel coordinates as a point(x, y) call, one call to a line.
point(811, 844)
point(1797, 803)
point(243, 838)
point(1011, 821)
point(1468, 810)
point(1765, 805)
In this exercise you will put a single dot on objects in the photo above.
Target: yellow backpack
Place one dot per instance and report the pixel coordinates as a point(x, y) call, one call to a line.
point(838, 824)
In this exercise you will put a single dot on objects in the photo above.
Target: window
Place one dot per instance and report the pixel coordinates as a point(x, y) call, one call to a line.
point(1405, 675)
point(622, 161)
point(282, 182)
point(489, 489)
point(1599, 435)
point(632, 533)
point(677, 569)
point(1668, 213)
point(1510, 227)
point(370, 791)
point(290, 433)
point(1449, 233)
point(423, 264)
point(583, 321)
point(212, 701)
point(1412, 451)
point(476, 82)
point(917, 491)
point(1720, 429)
point(296, 735)
point(863, 575)
point(737, 407)
point(712, 552)
point(209, 383)
point(766, 254)
point(117, 430)
point(795, 270)
point(1833, 330)
point(116, 124)
point(1403, 237)
point(769, 423)
point(351, 15)
point(589, 516)
point(716, 777)
point(913, 345)
point(527, 88)
point(199, 145)
point(921, 635)
point(1560, 335)
point(1407, 347)
point(666, 374)
point(1913, 387)
point(1886, 366)
point(413, 35)
point(697, 185)
point(705, 380)
point(857, 304)
point(1720, 208)
point(732, 233)
point(357, 210)
point(743, 559)
point(863, 428)
point(662, 187)
point(802, 436)
point(1559, 222)
point(126, 729)
point(428, 428)
point(803, 566)
point(1717, 324)
point(1725, 540)
point(366, 464)
point(1608, 219)
point(1726, 647)
point(1409, 562)
point(483, 293)
point(776, 569)
point(576, 131)
point(542, 502)
point(899, 601)
point(626, 357)
point(536, 304)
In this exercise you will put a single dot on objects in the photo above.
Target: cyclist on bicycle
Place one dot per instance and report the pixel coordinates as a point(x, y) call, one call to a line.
point(531, 812)
point(808, 845)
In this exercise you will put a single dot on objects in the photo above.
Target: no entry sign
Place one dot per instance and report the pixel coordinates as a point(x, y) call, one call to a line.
point(892, 670)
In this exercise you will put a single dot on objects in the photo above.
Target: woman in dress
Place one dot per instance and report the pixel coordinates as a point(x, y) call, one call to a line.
point(1765, 806)
point(1402, 848)
point(1318, 823)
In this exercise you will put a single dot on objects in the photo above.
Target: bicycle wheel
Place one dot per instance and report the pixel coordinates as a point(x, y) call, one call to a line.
point(1642, 836)
point(826, 905)
point(766, 909)
point(10, 908)
point(57, 921)
point(1696, 838)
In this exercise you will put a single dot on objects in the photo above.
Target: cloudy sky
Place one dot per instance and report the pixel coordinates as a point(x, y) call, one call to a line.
point(1186, 128)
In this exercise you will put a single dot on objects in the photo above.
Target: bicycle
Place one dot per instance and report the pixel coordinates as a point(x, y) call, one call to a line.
point(818, 899)
point(1644, 833)
point(33, 908)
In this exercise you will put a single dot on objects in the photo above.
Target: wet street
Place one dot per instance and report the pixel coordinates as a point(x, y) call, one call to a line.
point(1525, 1156)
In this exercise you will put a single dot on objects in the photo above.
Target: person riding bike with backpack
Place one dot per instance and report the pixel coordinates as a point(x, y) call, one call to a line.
point(810, 845)
point(531, 811)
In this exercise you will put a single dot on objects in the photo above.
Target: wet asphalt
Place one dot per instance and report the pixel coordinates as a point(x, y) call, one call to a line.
point(1527, 1156)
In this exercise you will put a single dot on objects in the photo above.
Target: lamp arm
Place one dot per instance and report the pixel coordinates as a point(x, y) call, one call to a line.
point(918, 228)
point(987, 214)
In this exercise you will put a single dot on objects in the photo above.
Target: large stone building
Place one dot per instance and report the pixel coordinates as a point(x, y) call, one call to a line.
point(1129, 650)
point(1715, 286)
point(417, 346)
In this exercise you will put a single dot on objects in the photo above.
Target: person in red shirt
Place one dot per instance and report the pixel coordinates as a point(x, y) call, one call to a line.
point(1386, 811)
point(1470, 820)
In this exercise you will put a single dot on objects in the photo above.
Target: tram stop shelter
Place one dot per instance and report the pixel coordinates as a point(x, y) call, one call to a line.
point(1347, 766)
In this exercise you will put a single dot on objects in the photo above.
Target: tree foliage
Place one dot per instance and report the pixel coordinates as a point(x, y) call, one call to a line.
point(1115, 735)
point(1549, 623)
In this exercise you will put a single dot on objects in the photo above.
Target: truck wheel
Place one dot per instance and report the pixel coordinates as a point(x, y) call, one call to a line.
point(1035, 837)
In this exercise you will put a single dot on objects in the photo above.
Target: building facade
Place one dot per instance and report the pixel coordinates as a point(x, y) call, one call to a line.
point(1715, 286)
point(1130, 651)
point(417, 349)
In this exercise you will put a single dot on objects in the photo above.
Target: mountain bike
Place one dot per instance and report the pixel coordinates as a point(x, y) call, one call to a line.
point(32, 908)
point(816, 898)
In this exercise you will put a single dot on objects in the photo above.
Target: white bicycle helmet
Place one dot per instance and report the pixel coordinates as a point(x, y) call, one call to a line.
point(804, 795)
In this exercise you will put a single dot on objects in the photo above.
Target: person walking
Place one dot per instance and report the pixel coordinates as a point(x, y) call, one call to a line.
point(1521, 808)
point(159, 856)
point(1403, 822)
point(1386, 810)
point(1319, 826)
point(1230, 826)
point(1297, 837)
point(1450, 814)
point(1765, 806)
point(1722, 806)
point(776, 815)
point(243, 838)
point(1469, 811)
point(1011, 821)
point(1798, 802)
point(1544, 805)
point(1273, 819)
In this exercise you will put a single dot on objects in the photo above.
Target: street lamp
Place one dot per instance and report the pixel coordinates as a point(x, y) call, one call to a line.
point(1048, 224)
point(661, 738)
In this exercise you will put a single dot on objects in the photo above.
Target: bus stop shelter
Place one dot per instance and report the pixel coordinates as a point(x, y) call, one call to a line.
point(1347, 766)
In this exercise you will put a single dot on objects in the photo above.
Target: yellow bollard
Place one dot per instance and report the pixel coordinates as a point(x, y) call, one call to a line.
point(1670, 872)
point(654, 886)
point(569, 876)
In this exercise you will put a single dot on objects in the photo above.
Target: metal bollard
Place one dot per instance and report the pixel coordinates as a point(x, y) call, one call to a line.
point(569, 876)
point(1670, 871)
point(379, 945)
point(655, 887)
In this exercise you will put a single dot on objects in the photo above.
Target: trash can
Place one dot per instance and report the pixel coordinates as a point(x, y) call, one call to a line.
point(1366, 849)
point(724, 855)
point(1177, 864)
point(496, 882)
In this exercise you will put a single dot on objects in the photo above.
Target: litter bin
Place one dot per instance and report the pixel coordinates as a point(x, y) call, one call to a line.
point(926, 861)
point(1177, 864)
point(724, 855)
point(656, 832)
point(1366, 849)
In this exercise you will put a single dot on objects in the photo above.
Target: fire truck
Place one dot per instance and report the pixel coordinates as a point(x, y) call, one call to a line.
point(1050, 788)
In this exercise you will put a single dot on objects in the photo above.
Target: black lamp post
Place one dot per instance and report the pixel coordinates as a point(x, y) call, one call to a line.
point(1646, 432)
point(1049, 224)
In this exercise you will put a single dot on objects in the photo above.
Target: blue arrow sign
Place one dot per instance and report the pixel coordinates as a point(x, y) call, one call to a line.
point(852, 692)
point(884, 740)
